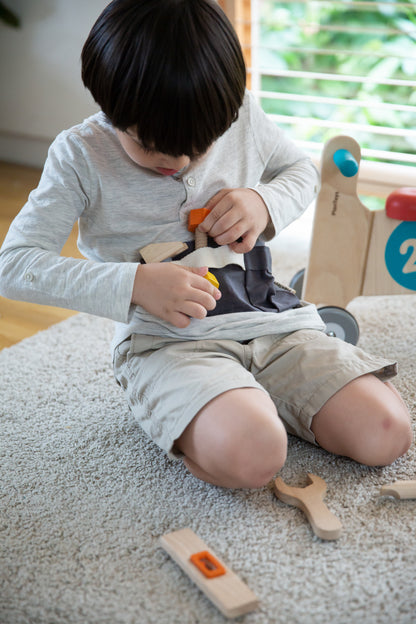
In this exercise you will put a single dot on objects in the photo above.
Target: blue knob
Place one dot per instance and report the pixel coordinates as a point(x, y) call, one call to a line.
point(345, 162)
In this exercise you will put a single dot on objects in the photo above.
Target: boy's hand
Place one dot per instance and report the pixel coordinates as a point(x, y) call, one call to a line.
point(174, 293)
point(236, 214)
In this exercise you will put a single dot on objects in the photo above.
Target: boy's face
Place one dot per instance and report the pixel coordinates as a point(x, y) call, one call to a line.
point(155, 161)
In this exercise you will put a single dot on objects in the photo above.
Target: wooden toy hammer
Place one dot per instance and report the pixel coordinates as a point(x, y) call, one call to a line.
point(196, 216)
point(310, 500)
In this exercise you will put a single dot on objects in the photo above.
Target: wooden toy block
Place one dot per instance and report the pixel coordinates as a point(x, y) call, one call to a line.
point(157, 252)
point(341, 231)
point(220, 584)
point(399, 489)
point(310, 500)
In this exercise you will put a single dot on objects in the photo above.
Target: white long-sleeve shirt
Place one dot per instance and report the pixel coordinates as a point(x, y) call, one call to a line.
point(121, 207)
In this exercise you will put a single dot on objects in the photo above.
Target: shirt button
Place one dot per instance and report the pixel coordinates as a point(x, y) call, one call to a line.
point(29, 276)
point(191, 181)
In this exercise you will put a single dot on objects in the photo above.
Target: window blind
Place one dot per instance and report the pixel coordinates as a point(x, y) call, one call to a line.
point(326, 67)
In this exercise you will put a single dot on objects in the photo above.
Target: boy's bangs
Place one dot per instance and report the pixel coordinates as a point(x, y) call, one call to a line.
point(185, 125)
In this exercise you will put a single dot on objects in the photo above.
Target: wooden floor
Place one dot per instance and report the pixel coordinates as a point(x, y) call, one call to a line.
point(19, 320)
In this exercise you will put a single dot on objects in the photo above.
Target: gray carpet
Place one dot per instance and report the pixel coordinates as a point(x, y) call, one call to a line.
point(85, 496)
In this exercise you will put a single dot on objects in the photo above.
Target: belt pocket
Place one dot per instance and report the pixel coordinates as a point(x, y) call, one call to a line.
point(264, 294)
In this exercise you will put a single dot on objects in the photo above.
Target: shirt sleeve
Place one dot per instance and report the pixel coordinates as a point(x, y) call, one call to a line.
point(290, 180)
point(31, 267)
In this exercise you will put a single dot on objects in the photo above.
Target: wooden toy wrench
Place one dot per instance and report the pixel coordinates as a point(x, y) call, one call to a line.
point(310, 500)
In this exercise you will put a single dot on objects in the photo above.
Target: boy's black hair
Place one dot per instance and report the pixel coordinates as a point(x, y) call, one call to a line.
point(172, 69)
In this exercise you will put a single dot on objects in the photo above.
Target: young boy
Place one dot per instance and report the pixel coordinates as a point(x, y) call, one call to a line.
point(216, 376)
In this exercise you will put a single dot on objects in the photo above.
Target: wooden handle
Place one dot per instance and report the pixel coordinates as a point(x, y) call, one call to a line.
point(400, 489)
point(201, 239)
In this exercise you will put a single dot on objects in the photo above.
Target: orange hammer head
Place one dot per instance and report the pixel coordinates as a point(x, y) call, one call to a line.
point(196, 216)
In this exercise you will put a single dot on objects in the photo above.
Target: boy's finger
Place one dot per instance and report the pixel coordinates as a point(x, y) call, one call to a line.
point(216, 207)
point(197, 270)
point(244, 244)
point(216, 198)
point(210, 284)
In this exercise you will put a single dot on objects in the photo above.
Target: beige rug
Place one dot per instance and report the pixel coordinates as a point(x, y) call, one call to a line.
point(84, 497)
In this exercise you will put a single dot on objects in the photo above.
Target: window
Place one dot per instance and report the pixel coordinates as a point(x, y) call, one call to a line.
point(326, 67)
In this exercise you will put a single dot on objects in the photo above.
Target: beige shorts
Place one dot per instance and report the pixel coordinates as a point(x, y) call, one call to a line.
point(168, 382)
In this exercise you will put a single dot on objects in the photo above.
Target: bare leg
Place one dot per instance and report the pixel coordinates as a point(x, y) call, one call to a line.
point(366, 420)
point(237, 440)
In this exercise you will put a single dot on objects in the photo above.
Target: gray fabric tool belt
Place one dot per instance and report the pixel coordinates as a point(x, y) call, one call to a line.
point(252, 289)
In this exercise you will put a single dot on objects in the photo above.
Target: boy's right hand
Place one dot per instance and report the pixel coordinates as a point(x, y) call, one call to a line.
point(174, 293)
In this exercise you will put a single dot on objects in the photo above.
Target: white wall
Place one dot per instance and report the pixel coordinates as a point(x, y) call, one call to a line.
point(41, 91)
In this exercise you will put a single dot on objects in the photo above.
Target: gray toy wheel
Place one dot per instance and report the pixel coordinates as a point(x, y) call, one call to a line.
point(340, 323)
point(297, 282)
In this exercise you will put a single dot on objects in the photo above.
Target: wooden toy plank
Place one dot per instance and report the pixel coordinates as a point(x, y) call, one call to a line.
point(310, 500)
point(399, 489)
point(340, 236)
point(157, 252)
point(228, 592)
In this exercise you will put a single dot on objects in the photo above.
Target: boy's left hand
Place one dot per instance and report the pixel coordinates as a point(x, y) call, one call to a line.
point(237, 218)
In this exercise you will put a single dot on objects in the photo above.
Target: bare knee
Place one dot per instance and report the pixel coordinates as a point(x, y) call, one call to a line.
point(257, 459)
point(391, 433)
point(367, 421)
point(236, 441)
point(393, 438)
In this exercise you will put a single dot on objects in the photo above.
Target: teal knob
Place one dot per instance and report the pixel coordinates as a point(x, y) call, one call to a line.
point(345, 162)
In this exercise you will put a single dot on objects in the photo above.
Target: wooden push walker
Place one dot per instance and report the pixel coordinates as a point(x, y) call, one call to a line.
point(355, 251)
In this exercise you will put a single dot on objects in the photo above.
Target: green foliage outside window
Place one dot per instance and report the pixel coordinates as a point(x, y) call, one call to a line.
point(369, 40)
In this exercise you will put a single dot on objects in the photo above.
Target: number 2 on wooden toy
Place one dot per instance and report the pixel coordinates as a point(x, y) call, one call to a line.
point(410, 266)
point(400, 254)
